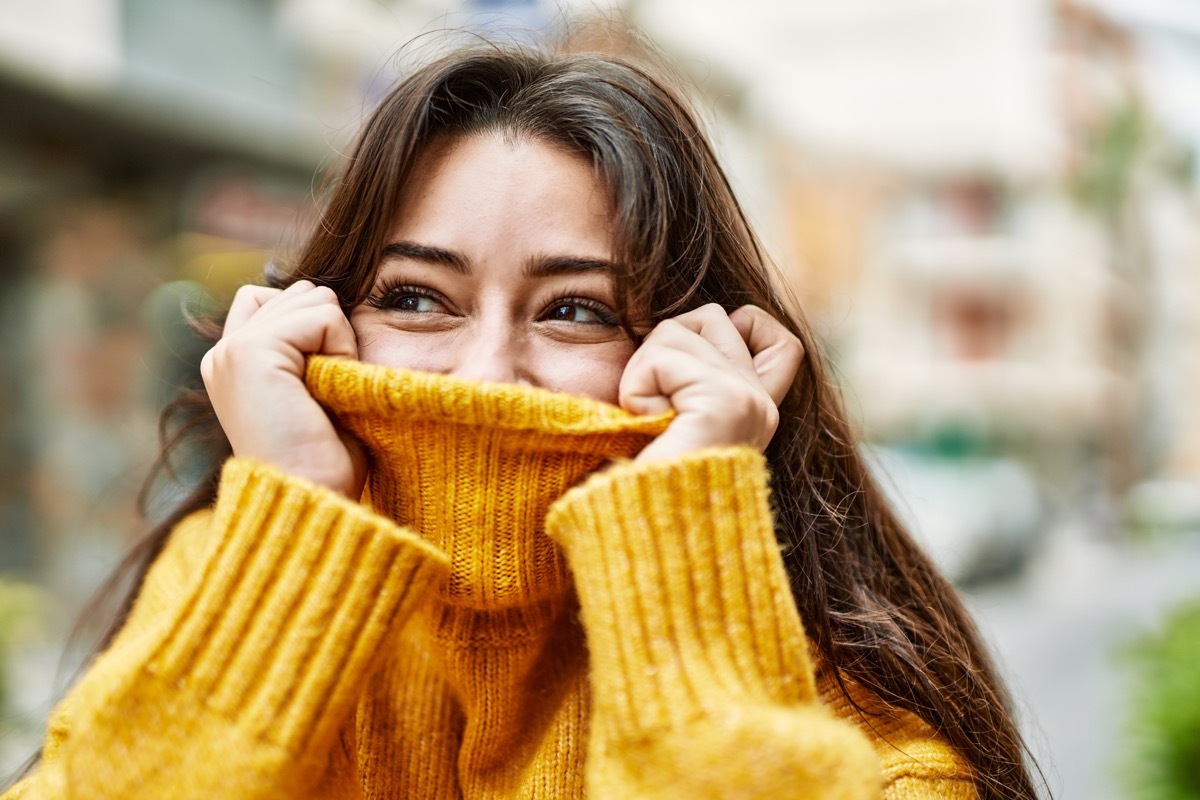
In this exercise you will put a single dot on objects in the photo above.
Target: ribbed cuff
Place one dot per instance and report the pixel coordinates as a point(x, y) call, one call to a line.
point(295, 600)
point(682, 588)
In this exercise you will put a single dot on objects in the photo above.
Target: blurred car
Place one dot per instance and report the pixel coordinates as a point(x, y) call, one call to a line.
point(978, 517)
point(1163, 506)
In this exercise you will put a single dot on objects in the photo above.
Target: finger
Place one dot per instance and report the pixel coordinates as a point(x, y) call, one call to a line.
point(649, 382)
point(776, 352)
point(246, 302)
point(250, 300)
point(678, 338)
point(340, 339)
point(704, 336)
point(317, 329)
point(730, 413)
point(713, 325)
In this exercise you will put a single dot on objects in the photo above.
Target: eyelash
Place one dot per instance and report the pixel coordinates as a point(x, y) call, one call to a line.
point(387, 292)
point(602, 311)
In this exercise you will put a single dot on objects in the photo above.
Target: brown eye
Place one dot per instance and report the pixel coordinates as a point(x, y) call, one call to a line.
point(408, 300)
point(580, 312)
point(414, 303)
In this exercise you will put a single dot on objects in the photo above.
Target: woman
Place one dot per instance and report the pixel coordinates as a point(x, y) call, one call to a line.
point(458, 570)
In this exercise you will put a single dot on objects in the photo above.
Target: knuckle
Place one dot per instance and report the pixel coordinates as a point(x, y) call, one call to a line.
point(218, 353)
point(771, 417)
point(206, 365)
point(791, 348)
point(751, 313)
point(215, 361)
point(751, 402)
point(665, 329)
point(711, 314)
point(226, 352)
point(330, 315)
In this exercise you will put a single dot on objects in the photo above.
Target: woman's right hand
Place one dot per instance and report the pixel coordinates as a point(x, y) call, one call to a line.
point(255, 380)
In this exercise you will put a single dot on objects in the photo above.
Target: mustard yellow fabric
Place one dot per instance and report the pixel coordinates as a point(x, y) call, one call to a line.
point(499, 618)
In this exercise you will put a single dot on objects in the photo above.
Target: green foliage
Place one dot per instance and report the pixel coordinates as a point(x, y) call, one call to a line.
point(22, 611)
point(1164, 761)
point(22, 607)
point(1127, 141)
point(1103, 180)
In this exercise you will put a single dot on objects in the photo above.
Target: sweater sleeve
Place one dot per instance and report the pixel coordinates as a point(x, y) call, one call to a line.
point(251, 639)
point(701, 677)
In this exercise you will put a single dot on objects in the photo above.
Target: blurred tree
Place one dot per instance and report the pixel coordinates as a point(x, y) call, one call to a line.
point(1164, 760)
point(1126, 159)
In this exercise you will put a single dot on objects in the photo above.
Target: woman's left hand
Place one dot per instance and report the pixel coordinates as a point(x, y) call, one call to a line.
point(724, 374)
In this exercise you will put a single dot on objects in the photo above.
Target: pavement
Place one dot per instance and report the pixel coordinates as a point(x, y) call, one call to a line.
point(1058, 634)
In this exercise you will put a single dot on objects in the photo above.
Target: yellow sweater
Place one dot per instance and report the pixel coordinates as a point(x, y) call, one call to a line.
point(478, 628)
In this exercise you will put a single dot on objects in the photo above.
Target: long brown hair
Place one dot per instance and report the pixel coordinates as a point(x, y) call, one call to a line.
point(874, 607)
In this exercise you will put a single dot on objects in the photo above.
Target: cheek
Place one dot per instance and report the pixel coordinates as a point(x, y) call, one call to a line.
point(595, 374)
point(388, 347)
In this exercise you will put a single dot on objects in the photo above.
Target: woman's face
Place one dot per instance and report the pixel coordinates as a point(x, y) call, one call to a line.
point(499, 268)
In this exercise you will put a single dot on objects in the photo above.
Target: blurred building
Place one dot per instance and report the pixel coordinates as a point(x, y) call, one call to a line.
point(989, 210)
point(127, 165)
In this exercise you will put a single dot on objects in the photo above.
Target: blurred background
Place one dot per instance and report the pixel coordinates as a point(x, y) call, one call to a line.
point(988, 208)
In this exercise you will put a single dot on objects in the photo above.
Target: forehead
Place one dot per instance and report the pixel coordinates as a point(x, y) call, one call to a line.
point(525, 188)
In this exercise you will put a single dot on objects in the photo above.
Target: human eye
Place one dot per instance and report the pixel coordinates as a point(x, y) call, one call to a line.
point(580, 311)
point(408, 299)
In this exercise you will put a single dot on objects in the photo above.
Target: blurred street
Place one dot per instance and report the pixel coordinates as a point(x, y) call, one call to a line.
point(1059, 632)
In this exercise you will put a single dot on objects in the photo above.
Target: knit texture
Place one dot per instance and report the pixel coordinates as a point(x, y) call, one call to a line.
point(501, 617)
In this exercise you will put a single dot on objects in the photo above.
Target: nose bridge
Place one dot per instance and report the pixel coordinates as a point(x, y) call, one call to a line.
point(492, 350)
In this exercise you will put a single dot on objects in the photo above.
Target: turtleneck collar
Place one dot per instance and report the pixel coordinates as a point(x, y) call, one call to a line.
point(473, 467)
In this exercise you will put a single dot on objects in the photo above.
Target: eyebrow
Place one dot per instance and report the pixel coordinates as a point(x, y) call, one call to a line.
point(429, 255)
point(549, 266)
point(535, 267)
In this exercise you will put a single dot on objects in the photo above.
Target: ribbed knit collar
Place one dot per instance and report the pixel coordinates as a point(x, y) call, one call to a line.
point(473, 467)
